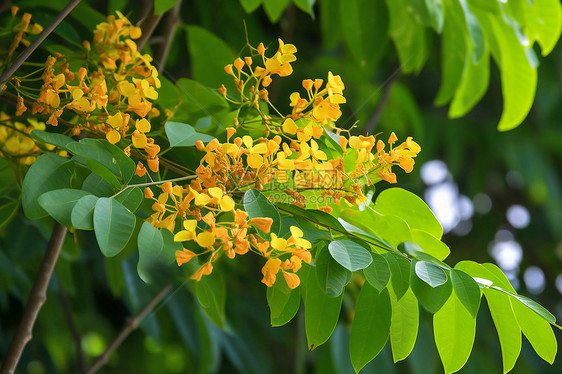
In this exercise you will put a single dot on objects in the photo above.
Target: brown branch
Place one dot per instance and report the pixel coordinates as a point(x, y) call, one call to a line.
point(33, 46)
point(171, 22)
point(36, 299)
point(131, 325)
point(73, 330)
point(370, 126)
point(148, 25)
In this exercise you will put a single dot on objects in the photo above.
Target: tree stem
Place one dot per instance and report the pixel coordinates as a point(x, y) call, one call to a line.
point(33, 46)
point(36, 299)
point(130, 325)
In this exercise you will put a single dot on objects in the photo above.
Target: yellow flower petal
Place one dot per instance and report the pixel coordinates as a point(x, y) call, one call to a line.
point(227, 204)
point(205, 239)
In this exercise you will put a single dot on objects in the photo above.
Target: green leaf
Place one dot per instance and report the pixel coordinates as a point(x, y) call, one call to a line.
point(105, 159)
point(370, 327)
point(408, 35)
point(99, 186)
point(378, 272)
point(209, 55)
point(403, 324)
point(430, 273)
point(430, 244)
point(507, 327)
point(518, 77)
point(549, 24)
point(257, 205)
point(82, 215)
point(454, 328)
point(467, 290)
point(283, 302)
point(474, 31)
point(350, 255)
point(306, 6)
point(388, 231)
point(331, 276)
point(399, 273)
point(161, 6)
point(435, 12)
point(364, 24)
point(113, 226)
point(537, 330)
point(406, 205)
point(197, 101)
point(59, 140)
point(49, 172)
point(453, 50)
point(431, 298)
point(59, 203)
point(275, 8)
point(250, 5)
point(183, 135)
point(131, 198)
point(534, 306)
point(8, 211)
point(211, 294)
point(473, 85)
point(321, 312)
point(152, 252)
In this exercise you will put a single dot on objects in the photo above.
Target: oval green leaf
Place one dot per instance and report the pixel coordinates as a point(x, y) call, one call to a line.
point(82, 215)
point(430, 273)
point(257, 205)
point(331, 276)
point(59, 203)
point(183, 135)
point(467, 290)
point(403, 324)
point(378, 272)
point(350, 255)
point(454, 328)
point(283, 302)
point(49, 172)
point(113, 226)
point(399, 273)
point(408, 206)
point(371, 326)
point(431, 298)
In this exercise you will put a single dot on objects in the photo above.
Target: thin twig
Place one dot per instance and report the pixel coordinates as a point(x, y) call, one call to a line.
point(131, 325)
point(73, 330)
point(155, 183)
point(370, 127)
point(171, 22)
point(33, 46)
point(148, 25)
point(36, 299)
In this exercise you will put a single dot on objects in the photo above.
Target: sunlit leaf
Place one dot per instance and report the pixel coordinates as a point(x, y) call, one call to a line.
point(371, 326)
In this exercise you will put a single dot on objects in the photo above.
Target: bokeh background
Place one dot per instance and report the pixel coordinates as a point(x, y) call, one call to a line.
point(497, 194)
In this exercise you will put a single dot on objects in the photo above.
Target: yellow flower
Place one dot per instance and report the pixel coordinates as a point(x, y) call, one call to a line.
point(184, 256)
point(270, 270)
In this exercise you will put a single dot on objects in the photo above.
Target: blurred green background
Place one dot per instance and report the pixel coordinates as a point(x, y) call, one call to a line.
point(497, 194)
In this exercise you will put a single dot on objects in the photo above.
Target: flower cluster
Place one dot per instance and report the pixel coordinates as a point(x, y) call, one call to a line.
point(196, 210)
point(23, 28)
point(15, 142)
point(112, 94)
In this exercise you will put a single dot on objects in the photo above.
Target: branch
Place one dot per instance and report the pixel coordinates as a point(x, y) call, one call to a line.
point(370, 126)
point(171, 23)
point(131, 325)
point(33, 46)
point(73, 330)
point(36, 299)
point(148, 25)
